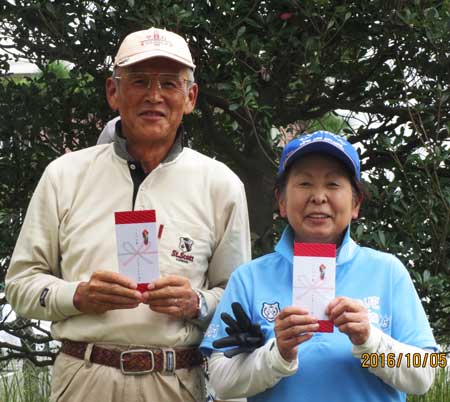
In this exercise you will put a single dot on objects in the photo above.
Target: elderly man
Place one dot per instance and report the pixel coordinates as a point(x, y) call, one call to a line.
point(121, 343)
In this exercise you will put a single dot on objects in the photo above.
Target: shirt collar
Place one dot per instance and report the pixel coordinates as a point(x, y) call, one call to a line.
point(347, 249)
point(344, 253)
point(120, 145)
point(285, 245)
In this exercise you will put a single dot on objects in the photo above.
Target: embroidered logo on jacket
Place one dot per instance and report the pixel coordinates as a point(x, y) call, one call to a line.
point(270, 311)
point(212, 331)
point(373, 304)
point(185, 246)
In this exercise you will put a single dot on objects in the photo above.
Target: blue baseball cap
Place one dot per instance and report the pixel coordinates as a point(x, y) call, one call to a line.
point(321, 142)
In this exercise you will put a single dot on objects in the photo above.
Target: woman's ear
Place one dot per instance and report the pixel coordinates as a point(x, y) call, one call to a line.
point(281, 198)
point(357, 201)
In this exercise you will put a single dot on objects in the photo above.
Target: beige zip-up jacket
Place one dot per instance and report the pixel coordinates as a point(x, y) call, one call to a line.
point(69, 233)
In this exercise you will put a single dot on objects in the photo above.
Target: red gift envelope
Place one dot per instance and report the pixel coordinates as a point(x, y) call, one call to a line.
point(137, 246)
point(314, 280)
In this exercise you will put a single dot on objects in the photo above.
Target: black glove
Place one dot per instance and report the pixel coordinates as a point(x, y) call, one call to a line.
point(242, 333)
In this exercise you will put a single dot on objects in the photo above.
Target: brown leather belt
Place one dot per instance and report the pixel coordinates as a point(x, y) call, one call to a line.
point(137, 361)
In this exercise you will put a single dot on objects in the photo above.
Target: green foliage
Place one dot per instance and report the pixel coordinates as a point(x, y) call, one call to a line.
point(260, 65)
point(328, 122)
point(24, 383)
point(408, 214)
point(41, 119)
point(439, 392)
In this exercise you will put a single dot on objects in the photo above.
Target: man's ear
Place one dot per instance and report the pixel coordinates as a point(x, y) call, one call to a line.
point(112, 94)
point(191, 99)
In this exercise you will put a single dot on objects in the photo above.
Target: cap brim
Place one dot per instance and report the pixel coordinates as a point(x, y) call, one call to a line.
point(128, 61)
point(322, 147)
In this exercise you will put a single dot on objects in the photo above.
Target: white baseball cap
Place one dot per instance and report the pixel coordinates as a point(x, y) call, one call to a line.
point(153, 42)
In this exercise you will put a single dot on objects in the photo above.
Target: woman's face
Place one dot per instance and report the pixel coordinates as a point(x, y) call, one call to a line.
point(318, 199)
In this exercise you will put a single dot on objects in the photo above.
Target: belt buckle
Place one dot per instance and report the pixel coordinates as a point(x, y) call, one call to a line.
point(137, 372)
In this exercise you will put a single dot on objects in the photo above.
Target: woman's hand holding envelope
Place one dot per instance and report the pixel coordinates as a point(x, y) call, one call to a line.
point(351, 318)
point(293, 326)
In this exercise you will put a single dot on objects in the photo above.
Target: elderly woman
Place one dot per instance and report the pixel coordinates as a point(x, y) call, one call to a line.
point(378, 318)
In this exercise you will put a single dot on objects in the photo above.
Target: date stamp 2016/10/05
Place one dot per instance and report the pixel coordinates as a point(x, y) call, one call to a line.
point(415, 360)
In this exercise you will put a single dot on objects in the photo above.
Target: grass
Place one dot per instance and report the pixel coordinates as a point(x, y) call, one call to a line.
point(23, 382)
point(439, 392)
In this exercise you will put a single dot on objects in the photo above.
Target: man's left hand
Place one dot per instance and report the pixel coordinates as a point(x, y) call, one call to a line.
point(174, 296)
point(351, 318)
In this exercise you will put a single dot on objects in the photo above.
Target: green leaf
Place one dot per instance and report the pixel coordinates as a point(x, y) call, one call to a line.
point(382, 238)
point(50, 8)
point(252, 23)
point(240, 32)
point(432, 13)
point(359, 231)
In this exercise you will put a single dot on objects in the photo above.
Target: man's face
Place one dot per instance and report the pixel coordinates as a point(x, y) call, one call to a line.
point(150, 116)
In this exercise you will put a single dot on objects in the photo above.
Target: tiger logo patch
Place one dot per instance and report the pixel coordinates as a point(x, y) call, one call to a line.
point(270, 311)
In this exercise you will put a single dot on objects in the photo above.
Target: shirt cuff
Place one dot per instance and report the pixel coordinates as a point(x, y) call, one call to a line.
point(370, 345)
point(209, 301)
point(277, 361)
point(64, 299)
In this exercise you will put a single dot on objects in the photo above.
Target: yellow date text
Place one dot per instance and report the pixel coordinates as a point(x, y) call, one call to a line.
point(414, 360)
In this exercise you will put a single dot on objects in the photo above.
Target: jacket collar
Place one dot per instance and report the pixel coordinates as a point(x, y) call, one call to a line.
point(120, 145)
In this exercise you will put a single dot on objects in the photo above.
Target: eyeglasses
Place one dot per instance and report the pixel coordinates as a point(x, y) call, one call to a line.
point(168, 84)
